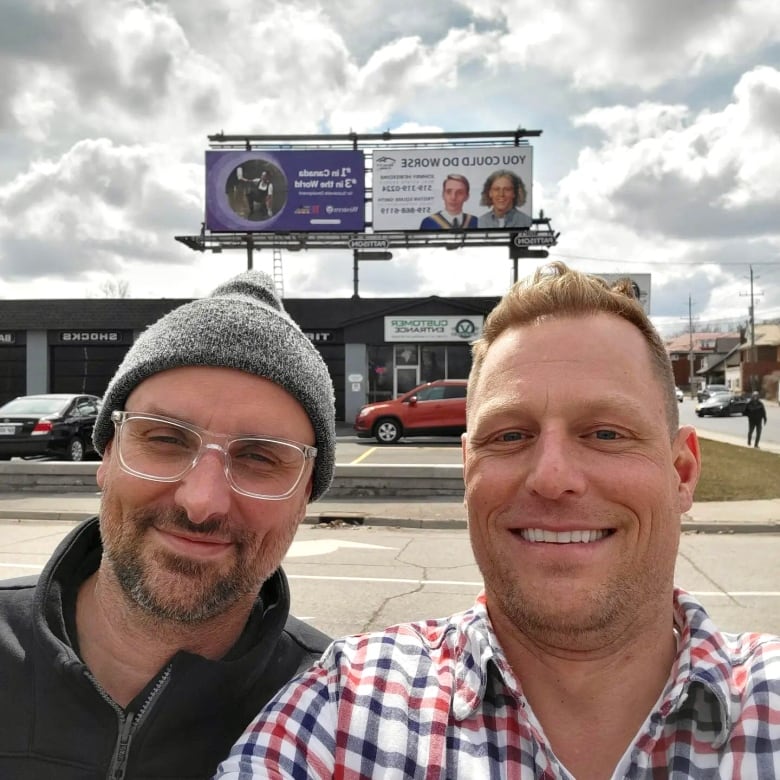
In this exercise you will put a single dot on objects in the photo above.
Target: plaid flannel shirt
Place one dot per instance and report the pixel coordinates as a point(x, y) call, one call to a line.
point(438, 700)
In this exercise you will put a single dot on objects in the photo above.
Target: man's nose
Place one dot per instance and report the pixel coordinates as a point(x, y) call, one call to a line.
point(555, 467)
point(204, 491)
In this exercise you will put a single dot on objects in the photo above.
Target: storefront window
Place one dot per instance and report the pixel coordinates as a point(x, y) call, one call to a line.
point(458, 361)
point(433, 365)
point(380, 373)
point(396, 365)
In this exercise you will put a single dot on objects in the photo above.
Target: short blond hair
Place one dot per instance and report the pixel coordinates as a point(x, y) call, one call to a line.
point(555, 291)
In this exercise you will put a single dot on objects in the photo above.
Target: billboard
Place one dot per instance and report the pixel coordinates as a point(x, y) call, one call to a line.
point(277, 191)
point(453, 188)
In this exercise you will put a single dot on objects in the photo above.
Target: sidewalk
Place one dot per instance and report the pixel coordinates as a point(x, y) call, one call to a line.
point(705, 517)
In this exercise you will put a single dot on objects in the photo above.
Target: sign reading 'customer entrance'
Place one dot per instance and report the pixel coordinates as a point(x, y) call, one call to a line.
point(431, 328)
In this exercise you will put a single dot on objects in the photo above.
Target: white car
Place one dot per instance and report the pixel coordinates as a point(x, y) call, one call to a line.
point(679, 393)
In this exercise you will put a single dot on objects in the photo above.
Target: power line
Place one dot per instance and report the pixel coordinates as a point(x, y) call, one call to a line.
point(667, 263)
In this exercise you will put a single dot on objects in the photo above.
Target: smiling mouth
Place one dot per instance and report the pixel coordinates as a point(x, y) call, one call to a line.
point(199, 544)
point(562, 537)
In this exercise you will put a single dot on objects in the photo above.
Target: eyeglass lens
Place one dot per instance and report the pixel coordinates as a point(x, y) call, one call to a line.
point(165, 450)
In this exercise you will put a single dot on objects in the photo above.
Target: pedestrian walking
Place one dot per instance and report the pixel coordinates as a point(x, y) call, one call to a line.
point(756, 414)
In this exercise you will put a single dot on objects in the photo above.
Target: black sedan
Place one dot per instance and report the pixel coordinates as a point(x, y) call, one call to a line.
point(721, 405)
point(58, 425)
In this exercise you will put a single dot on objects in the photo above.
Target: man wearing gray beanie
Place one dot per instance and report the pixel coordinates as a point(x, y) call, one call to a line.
point(158, 629)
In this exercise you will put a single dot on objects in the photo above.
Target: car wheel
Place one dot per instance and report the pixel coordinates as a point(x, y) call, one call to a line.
point(700, 414)
point(75, 450)
point(387, 431)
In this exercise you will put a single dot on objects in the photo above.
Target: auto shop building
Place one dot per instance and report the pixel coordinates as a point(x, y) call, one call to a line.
point(375, 348)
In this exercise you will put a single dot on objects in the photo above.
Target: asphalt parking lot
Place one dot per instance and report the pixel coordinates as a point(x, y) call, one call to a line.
point(346, 579)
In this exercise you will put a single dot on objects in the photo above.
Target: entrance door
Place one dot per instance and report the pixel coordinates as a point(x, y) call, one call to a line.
point(407, 368)
point(406, 379)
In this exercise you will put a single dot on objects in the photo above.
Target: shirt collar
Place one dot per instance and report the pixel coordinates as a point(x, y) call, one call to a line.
point(702, 671)
point(477, 648)
point(703, 677)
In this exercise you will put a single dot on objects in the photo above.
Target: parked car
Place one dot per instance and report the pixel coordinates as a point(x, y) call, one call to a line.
point(708, 390)
point(679, 393)
point(55, 424)
point(433, 409)
point(722, 405)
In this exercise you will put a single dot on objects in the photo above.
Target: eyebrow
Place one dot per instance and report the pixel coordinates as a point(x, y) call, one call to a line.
point(161, 412)
point(603, 404)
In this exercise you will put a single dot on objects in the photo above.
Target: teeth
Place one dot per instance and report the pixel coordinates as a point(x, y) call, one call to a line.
point(562, 537)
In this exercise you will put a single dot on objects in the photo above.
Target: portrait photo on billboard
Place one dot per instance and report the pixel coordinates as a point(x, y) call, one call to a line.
point(256, 190)
point(455, 192)
point(453, 188)
point(273, 190)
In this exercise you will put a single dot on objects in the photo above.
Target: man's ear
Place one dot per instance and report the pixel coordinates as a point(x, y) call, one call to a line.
point(687, 464)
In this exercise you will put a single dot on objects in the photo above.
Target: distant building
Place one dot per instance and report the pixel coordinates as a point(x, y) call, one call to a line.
point(759, 367)
point(729, 359)
point(707, 350)
point(375, 348)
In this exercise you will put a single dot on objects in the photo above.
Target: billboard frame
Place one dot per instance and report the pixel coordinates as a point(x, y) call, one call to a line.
point(539, 234)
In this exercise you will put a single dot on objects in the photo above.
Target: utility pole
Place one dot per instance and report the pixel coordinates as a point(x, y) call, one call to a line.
point(752, 319)
point(690, 349)
point(753, 378)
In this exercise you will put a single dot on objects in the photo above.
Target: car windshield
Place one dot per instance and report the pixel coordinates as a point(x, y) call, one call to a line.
point(719, 396)
point(34, 406)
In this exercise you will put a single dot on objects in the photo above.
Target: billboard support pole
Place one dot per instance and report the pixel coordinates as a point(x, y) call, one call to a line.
point(250, 245)
point(355, 293)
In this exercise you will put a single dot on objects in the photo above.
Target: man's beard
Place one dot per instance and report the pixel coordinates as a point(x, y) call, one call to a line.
point(173, 588)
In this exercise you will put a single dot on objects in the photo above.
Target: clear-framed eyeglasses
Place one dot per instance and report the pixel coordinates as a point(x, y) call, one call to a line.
point(165, 450)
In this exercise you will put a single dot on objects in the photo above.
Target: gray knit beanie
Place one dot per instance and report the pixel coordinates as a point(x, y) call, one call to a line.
point(242, 325)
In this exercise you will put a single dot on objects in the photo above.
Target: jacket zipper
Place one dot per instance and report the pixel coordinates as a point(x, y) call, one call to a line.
point(128, 723)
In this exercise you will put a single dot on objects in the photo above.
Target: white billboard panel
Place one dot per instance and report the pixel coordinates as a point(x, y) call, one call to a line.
point(453, 188)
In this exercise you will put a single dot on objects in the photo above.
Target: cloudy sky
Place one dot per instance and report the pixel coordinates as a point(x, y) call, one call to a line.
point(660, 150)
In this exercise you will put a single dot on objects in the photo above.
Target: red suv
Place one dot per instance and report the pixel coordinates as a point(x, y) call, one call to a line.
point(433, 409)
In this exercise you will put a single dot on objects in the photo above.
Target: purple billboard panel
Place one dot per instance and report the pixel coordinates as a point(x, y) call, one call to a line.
point(278, 191)
point(453, 188)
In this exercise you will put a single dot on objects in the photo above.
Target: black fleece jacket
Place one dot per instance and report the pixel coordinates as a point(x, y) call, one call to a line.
point(56, 722)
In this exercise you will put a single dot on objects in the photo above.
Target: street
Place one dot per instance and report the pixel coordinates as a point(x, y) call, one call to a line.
point(736, 425)
point(348, 579)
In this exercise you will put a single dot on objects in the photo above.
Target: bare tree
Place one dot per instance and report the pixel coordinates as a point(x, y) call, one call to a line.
point(112, 288)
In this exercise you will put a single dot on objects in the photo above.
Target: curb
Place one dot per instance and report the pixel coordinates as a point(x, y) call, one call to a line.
point(337, 519)
point(342, 519)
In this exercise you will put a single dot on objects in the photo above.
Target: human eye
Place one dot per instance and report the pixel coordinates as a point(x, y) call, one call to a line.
point(512, 436)
point(259, 455)
point(508, 440)
point(605, 434)
point(161, 436)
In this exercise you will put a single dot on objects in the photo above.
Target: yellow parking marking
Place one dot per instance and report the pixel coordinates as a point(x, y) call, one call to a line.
point(369, 451)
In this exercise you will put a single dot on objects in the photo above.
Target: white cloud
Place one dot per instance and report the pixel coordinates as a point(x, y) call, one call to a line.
point(664, 171)
point(93, 203)
point(640, 44)
point(659, 153)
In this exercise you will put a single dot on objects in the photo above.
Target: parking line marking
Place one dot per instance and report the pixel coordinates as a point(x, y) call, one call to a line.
point(467, 583)
point(369, 451)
